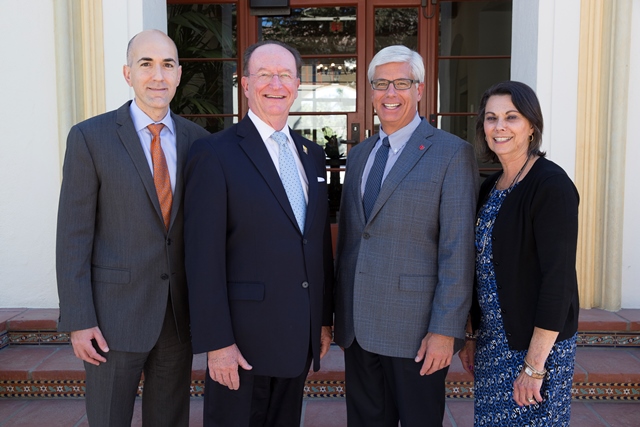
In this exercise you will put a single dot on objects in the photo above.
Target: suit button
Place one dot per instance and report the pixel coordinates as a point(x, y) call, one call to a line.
point(305, 285)
point(508, 334)
point(164, 276)
point(304, 241)
point(366, 235)
point(496, 263)
point(168, 241)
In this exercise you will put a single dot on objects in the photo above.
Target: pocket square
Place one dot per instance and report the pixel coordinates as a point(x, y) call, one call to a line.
point(320, 179)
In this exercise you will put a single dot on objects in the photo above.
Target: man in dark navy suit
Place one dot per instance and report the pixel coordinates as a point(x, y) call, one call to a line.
point(258, 251)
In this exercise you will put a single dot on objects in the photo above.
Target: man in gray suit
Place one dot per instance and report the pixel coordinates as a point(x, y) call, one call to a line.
point(120, 252)
point(405, 255)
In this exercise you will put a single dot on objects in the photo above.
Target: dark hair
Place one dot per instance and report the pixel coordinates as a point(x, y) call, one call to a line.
point(527, 104)
point(246, 57)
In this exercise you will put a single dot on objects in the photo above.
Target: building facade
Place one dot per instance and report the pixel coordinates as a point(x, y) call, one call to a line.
point(66, 56)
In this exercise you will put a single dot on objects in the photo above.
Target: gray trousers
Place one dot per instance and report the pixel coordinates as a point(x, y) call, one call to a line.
point(112, 386)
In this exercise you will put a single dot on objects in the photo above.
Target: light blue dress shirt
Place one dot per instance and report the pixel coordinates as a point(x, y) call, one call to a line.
point(397, 141)
point(167, 139)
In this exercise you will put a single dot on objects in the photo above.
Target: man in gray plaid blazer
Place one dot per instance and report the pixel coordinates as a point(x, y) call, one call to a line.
point(405, 255)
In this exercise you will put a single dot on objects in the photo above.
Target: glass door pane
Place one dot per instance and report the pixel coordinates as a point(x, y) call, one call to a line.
point(474, 52)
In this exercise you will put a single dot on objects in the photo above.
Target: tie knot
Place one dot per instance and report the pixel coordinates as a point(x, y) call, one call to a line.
point(385, 141)
point(279, 137)
point(155, 129)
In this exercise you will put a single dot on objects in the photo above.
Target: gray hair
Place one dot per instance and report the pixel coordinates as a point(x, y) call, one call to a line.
point(398, 53)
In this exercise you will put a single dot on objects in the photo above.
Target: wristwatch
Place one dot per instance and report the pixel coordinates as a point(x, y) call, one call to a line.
point(533, 372)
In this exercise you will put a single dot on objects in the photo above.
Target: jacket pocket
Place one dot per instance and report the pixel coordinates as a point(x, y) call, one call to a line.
point(417, 283)
point(245, 291)
point(110, 275)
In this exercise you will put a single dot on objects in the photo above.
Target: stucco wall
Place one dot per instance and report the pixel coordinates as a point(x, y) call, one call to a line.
point(29, 163)
point(631, 246)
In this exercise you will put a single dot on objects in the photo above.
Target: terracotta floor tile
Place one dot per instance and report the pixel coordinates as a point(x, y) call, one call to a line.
point(199, 366)
point(579, 374)
point(624, 414)
point(583, 415)
point(457, 372)
point(17, 362)
point(601, 320)
point(9, 407)
point(331, 366)
point(633, 316)
point(6, 314)
point(317, 413)
point(195, 411)
point(461, 411)
point(324, 413)
point(35, 319)
point(61, 364)
point(49, 412)
point(607, 365)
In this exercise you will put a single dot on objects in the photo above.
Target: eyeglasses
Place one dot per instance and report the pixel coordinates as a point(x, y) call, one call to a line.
point(398, 84)
point(285, 78)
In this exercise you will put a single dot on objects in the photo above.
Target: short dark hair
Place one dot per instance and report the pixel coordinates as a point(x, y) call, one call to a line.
point(246, 57)
point(527, 104)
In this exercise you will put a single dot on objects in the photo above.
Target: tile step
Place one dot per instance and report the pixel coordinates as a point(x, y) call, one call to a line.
point(37, 361)
point(597, 328)
point(54, 371)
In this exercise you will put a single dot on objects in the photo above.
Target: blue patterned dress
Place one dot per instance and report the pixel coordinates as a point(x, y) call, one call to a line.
point(496, 365)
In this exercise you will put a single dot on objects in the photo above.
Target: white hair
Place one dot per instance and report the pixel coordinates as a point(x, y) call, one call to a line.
point(398, 53)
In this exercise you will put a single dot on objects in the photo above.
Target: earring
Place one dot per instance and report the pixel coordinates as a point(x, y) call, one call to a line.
point(531, 138)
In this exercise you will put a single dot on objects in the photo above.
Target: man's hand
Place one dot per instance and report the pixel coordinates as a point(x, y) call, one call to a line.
point(467, 355)
point(325, 340)
point(436, 350)
point(83, 347)
point(223, 366)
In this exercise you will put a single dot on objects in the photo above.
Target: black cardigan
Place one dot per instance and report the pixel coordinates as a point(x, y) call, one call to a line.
point(534, 255)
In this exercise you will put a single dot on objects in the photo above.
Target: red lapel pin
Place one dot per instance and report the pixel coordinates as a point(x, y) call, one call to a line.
point(421, 147)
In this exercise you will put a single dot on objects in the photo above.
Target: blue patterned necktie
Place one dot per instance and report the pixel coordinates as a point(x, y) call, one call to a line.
point(290, 179)
point(374, 181)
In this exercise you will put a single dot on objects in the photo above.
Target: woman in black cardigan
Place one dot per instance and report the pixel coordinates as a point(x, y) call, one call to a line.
point(525, 310)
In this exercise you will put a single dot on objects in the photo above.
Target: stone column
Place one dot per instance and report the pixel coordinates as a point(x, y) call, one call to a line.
point(600, 151)
point(79, 63)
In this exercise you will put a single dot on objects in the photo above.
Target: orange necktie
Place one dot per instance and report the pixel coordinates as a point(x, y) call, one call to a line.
point(161, 174)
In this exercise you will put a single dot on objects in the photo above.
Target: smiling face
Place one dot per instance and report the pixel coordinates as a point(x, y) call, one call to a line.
point(395, 108)
point(507, 130)
point(153, 72)
point(271, 100)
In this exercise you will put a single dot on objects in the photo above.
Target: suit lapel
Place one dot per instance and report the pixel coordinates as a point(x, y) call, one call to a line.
point(129, 137)
point(358, 171)
point(413, 151)
point(182, 151)
point(251, 143)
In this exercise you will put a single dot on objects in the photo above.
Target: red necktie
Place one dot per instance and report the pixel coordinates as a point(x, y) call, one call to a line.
point(161, 174)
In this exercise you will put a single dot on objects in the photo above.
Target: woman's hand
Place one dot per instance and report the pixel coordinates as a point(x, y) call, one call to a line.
point(467, 355)
point(526, 390)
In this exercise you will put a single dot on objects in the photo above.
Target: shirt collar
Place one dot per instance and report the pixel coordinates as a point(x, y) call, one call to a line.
point(401, 136)
point(264, 129)
point(141, 120)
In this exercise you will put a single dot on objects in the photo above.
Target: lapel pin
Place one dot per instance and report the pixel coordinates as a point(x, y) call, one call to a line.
point(304, 148)
point(421, 147)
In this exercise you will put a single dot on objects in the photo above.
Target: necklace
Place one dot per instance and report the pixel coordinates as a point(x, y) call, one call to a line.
point(484, 240)
point(515, 179)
